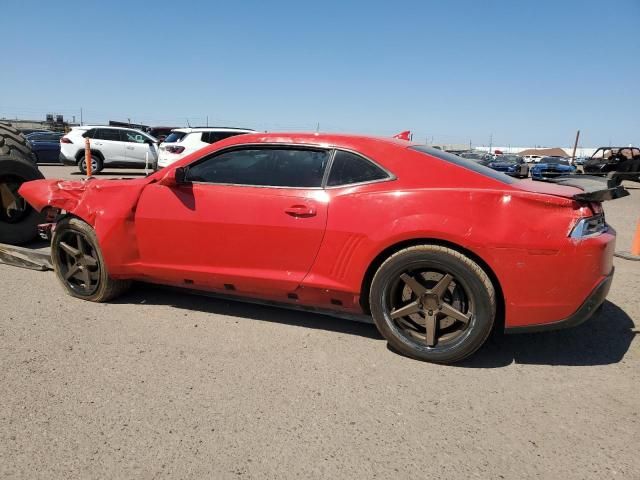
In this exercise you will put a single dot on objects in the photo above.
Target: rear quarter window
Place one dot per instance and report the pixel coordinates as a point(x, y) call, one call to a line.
point(213, 137)
point(349, 168)
point(174, 137)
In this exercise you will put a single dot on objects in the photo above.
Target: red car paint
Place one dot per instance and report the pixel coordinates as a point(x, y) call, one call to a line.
point(212, 236)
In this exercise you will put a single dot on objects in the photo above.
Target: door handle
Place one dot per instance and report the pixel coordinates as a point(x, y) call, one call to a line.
point(129, 148)
point(301, 211)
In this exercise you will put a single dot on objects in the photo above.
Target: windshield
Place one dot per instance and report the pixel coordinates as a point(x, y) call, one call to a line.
point(174, 137)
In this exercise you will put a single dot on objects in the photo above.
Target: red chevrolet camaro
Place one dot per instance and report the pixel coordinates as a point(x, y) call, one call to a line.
point(435, 248)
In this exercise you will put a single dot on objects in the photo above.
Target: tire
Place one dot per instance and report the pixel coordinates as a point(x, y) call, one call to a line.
point(18, 220)
point(13, 143)
point(74, 247)
point(96, 163)
point(433, 286)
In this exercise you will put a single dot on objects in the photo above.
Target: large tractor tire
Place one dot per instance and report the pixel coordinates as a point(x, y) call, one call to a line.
point(18, 221)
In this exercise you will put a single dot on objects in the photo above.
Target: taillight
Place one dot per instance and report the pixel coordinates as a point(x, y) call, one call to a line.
point(65, 140)
point(589, 227)
point(174, 149)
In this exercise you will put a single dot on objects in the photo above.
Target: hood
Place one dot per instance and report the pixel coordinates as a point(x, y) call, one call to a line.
point(555, 166)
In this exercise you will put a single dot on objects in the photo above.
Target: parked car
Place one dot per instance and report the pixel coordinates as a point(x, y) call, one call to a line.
point(160, 132)
point(110, 147)
point(579, 160)
point(184, 141)
point(480, 157)
point(622, 160)
point(510, 164)
point(45, 146)
point(432, 246)
point(550, 167)
point(532, 158)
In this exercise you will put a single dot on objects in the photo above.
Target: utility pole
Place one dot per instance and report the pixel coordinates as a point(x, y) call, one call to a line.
point(490, 142)
point(575, 146)
point(81, 116)
point(207, 120)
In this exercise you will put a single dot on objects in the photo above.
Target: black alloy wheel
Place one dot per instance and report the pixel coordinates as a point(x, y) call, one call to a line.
point(79, 263)
point(433, 303)
point(429, 306)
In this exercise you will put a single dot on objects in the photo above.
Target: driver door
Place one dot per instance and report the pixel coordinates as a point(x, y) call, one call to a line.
point(249, 220)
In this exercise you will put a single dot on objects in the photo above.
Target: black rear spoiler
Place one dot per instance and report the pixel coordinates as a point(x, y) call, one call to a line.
point(594, 189)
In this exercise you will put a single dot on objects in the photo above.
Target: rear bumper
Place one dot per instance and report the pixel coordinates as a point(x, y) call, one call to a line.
point(586, 310)
point(66, 161)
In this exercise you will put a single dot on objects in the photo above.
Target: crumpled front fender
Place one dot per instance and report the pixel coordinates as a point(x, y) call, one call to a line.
point(61, 194)
point(107, 205)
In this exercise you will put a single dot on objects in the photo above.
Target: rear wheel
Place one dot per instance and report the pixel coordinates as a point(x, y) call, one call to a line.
point(79, 264)
point(433, 303)
point(96, 164)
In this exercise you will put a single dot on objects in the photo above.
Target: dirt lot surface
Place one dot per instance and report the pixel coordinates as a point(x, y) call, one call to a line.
point(164, 384)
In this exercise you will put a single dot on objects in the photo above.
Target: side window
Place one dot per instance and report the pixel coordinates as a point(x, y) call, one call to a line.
point(90, 133)
point(132, 137)
point(275, 167)
point(213, 137)
point(112, 134)
point(350, 168)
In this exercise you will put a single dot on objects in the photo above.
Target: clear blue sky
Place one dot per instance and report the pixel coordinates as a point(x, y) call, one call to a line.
point(530, 73)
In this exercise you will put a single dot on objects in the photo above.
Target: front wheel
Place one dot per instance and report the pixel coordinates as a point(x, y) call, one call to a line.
point(433, 303)
point(79, 264)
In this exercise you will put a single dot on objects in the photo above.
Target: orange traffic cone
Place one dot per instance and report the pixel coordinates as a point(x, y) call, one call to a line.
point(87, 156)
point(635, 247)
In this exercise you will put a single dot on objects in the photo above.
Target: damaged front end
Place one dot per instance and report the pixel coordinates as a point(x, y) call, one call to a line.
point(107, 205)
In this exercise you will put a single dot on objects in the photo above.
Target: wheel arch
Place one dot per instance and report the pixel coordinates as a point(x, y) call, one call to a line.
point(396, 247)
point(80, 154)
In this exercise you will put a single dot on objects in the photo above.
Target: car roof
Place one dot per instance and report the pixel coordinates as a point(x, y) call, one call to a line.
point(107, 127)
point(313, 138)
point(211, 129)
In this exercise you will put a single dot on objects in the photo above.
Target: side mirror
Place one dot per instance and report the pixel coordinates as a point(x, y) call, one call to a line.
point(181, 175)
point(174, 177)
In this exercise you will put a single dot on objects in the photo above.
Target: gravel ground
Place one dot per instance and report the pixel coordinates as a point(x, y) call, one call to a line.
point(164, 384)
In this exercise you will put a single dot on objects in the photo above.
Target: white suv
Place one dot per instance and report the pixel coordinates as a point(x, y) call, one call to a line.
point(183, 141)
point(110, 146)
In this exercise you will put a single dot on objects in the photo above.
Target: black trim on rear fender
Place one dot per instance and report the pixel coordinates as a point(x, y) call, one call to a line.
point(586, 310)
point(594, 189)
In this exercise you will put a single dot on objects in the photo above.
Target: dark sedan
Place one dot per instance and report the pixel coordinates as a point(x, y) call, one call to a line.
point(512, 165)
point(550, 167)
point(45, 146)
